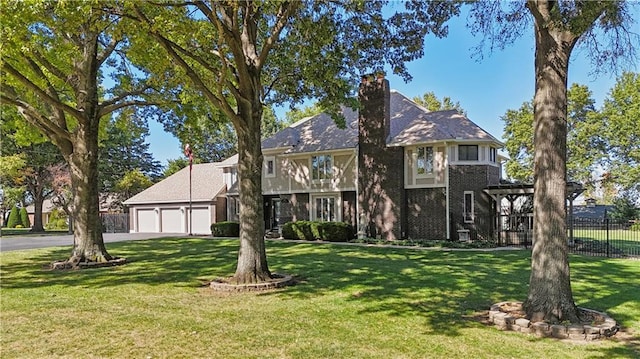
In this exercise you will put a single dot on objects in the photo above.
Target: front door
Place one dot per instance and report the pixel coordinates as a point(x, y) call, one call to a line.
point(275, 213)
point(272, 213)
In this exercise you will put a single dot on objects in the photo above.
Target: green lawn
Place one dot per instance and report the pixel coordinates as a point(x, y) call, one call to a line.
point(351, 302)
point(626, 241)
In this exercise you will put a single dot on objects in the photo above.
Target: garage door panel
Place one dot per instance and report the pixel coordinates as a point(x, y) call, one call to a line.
point(201, 221)
point(146, 221)
point(171, 220)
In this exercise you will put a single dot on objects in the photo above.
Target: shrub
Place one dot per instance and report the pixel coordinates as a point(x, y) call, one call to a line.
point(635, 226)
point(315, 230)
point(24, 218)
point(337, 231)
point(14, 218)
point(57, 220)
point(225, 229)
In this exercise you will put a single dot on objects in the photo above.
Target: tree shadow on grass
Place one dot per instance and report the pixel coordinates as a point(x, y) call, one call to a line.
point(439, 286)
point(154, 262)
point(445, 288)
point(449, 289)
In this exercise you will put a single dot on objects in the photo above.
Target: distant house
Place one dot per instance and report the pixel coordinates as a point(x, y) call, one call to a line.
point(590, 211)
point(395, 171)
point(165, 206)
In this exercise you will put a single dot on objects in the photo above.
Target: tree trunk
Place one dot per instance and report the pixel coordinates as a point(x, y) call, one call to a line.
point(252, 258)
point(37, 226)
point(550, 297)
point(87, 230)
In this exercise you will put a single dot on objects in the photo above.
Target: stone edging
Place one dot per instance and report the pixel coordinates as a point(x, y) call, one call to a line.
point(279, 281)
point(84, 265)
point(505, 321)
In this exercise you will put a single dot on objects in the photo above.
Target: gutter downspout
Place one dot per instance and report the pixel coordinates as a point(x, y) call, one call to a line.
point(446, 181)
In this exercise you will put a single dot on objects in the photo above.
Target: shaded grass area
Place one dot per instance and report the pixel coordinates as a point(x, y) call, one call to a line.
point(350, 302)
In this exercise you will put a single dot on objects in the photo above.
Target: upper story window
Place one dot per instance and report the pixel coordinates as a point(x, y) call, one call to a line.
point(321, 167)
point(467, 152)
point(424, 161)
point(269, 166)
point(493, 154)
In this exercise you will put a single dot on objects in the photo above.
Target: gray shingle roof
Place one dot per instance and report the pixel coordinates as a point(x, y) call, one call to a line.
point(410, 124)
point(206, 183)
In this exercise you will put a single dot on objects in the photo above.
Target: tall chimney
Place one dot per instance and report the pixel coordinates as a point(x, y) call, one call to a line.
point(380, 168)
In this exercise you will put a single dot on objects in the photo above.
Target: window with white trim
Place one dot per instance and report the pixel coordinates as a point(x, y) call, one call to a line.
point(325, 209)
point(467, 207)
point(321, 167)
point(424, 161)
point(467, 152)
point(270, 166)
point(493, 154)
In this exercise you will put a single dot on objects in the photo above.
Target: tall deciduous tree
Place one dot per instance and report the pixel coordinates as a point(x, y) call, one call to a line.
point(35, 177)
point(241, 55)
point(621, 133)
point(55, 56)
point(584, 150)
point(558, 27)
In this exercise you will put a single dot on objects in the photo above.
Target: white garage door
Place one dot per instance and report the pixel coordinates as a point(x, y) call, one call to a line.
point(146, 220)
point(171, 220)
point(201, 221)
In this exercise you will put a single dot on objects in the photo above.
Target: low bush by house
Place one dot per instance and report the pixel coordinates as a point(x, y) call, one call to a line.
point(225, 229)
point(315, 230)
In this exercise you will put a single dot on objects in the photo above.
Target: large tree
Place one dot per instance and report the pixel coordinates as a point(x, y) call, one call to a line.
point(584, 150)
point(558, 27)
point(241, 55)
point(40, 155)
point(620, 132)
point(55, 60)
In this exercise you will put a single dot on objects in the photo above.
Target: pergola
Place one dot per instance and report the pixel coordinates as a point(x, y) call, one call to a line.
point(513, 191)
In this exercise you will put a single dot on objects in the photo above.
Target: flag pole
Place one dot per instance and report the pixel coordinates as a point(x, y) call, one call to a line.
point(189, 153)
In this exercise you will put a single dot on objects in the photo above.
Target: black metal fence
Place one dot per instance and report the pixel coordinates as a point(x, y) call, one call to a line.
point(595, 237)
point(115, 222)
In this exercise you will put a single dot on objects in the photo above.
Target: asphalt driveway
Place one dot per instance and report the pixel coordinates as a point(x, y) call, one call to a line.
point(14, 243)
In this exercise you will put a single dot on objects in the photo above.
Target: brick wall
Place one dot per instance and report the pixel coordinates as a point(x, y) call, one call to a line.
point(472, 178)
point(426, 213)
point(380, 175)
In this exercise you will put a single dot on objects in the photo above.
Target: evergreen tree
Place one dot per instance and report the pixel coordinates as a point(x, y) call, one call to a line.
point(14, 218)
point(24, 218)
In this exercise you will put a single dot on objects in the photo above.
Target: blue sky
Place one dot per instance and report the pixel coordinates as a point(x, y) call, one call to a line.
point(486, 88)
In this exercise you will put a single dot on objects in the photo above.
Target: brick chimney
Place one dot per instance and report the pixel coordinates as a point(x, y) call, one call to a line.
point(380, 168)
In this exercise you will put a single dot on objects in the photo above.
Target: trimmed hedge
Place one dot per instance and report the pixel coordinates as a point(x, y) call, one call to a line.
point(225, 229)
point(14, 218)
point(315, 230)
point(24, 218)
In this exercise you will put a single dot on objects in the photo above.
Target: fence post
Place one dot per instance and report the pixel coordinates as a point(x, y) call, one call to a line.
point(606, 221)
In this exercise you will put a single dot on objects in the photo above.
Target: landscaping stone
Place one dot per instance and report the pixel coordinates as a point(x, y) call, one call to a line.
point(509, 316)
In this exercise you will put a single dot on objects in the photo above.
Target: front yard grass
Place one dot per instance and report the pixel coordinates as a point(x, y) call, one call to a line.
point(350, 302)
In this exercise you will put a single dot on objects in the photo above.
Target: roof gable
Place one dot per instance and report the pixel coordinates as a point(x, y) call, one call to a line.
point(207, 182)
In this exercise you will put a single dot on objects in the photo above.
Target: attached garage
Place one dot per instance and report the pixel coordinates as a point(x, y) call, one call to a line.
point(164, 207)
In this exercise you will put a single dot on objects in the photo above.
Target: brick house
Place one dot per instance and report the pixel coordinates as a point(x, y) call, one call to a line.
point(395, 171)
